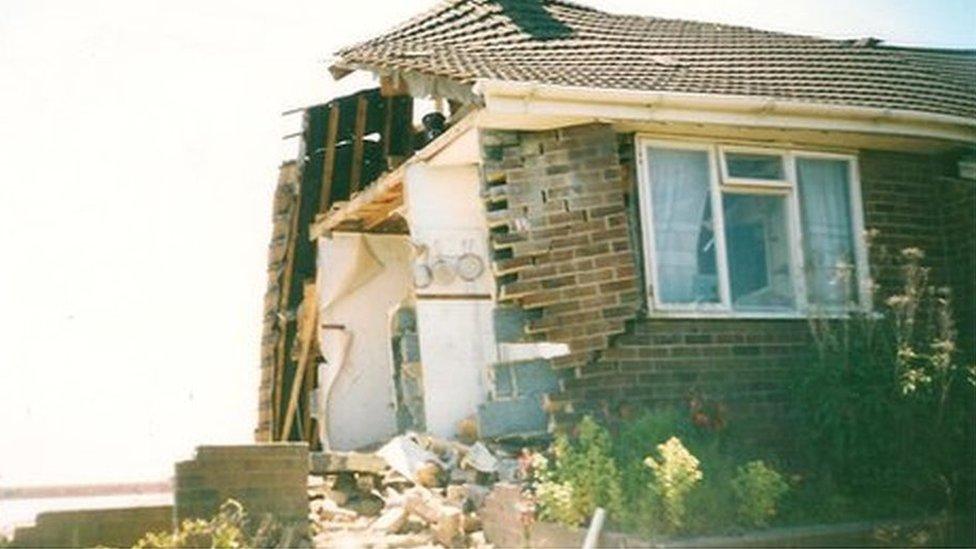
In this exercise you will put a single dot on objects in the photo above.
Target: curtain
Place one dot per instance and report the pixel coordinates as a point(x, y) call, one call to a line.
point(679, 198)
point(828, 238)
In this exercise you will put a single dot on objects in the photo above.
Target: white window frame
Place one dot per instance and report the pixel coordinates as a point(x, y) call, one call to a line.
point(728, 180)
point(858, 229)
point(719, 184)
point(650, 245)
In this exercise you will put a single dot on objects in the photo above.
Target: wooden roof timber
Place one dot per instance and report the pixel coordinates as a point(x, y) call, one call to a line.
point(371, 207)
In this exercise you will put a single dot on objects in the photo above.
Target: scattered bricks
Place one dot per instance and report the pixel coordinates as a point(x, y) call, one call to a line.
point(268, 479)
point(503, 516)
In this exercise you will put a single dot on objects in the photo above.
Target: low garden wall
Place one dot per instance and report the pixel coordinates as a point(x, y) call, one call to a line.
point(98, 527)
point(504, 519)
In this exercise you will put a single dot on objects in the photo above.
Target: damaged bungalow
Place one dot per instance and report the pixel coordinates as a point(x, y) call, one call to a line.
point(602, 212)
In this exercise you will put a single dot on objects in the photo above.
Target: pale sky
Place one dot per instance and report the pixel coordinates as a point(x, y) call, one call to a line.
point(139, 144)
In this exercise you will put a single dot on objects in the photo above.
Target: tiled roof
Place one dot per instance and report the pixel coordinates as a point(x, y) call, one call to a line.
point(558, 42)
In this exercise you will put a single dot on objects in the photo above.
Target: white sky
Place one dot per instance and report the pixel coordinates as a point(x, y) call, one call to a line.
point(139, 144)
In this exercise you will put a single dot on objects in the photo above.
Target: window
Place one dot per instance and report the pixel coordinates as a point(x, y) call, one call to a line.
point(752, 232)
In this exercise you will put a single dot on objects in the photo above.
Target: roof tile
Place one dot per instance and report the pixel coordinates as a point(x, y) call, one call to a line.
point(559, 42)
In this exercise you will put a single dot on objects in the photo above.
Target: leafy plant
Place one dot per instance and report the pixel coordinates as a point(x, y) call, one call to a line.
point(581, 476)
point(554, 499)
point(758, 490)
point(676, 473)
point(230, 528)
point(886, 406)
point(224, 530)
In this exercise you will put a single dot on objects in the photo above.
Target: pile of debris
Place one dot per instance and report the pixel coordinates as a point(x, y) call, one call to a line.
point(416, 490)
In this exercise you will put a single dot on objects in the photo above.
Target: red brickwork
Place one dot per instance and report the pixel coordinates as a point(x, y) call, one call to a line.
point(560, 236)
point(284, 209)
point(567, 238)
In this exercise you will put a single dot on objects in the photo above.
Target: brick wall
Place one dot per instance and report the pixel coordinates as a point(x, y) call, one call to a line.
point(566, 234)
point(95, 527)
point(284, 209)
point(958, 207)
point(264, 478)
point(911, 202)
point(741, 363)
point(559, 233)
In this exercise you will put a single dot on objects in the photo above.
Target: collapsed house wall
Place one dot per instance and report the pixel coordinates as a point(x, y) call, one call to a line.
point(362, 279)
point(566, 236)
point(344, 145)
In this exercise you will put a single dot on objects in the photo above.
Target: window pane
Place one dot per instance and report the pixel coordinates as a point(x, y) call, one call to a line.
point(828, 237)
point(683, 237)
point(754, 166)
point(758, 251)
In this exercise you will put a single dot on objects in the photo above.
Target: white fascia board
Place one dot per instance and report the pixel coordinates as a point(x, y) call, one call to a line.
point(503, 97)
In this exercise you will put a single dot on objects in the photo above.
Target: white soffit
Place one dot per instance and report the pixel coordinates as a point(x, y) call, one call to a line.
point(512, 99)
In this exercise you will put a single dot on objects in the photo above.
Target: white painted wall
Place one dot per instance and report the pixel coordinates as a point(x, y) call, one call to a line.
point(361, 280)
point(457, 340)
point(445, 214)
point(456, 348)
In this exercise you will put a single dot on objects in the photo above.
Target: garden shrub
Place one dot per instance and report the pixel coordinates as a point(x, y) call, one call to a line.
point(224, 530)
point(229, 528)
point(886, 407)
point(758, 490)
point(676, 473)
point(581, 476)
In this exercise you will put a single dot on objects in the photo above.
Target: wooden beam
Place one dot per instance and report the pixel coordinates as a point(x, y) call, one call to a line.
point(282, 320)
point(328, 162)
point(387, 128)
point(309, 383)
point(356, 169)
point(306, 337)
point(392, 84)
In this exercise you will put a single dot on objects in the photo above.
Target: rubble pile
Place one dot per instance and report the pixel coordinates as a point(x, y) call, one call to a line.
point(414, 491)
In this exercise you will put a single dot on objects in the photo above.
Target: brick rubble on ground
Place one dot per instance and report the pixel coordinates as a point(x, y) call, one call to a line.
point(415, 491)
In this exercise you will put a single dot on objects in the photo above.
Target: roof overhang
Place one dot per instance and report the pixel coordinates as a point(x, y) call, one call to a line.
point(503, 98)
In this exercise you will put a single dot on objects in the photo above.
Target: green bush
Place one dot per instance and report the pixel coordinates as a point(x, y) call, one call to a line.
point(675, 474)
point(230, 528)
point(886, 406)
point(758, 490)
point(581, 476)
point(224, 530)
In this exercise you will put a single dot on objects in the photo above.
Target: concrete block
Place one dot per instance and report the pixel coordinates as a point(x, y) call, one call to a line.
point(534, 378)
point(504, 381)
point(510, 324)
point(520, 416)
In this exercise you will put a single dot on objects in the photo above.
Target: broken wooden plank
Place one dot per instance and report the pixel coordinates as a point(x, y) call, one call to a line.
point(356, 169)
point(306, 337)
point(329, 160)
